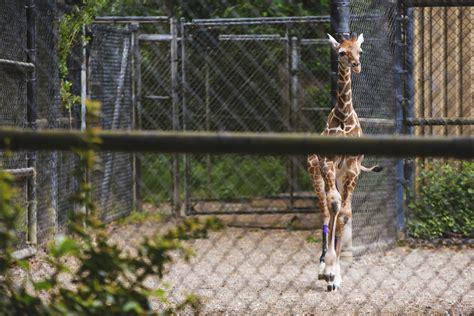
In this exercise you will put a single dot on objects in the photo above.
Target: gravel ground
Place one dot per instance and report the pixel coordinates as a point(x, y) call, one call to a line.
point(275, 272)
point(242, 271)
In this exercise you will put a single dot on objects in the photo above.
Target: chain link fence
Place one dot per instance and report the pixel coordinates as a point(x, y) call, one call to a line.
point(255, 75)
point(30, 98)
point(439, 63)
point(109, 79)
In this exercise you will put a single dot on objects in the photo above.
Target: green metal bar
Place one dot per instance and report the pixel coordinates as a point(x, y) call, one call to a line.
point(439, 3)
point(442, 121)
point(242, 143)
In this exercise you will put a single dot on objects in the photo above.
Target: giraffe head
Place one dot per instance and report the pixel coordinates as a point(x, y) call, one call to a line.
point(349, 51)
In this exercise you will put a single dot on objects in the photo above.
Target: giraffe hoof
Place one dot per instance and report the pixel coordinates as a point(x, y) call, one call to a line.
point(328, 277)
point(321, 277)
point(332, 288)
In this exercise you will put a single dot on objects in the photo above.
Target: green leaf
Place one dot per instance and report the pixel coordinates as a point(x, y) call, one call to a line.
point(312, 240)
point(43, 285)
point(24, 264)
point(64, 246)
point(132, 306)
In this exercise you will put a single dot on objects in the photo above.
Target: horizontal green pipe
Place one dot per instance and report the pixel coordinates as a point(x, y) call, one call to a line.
point(242, 143)
point(442, 121)
point(439, 3)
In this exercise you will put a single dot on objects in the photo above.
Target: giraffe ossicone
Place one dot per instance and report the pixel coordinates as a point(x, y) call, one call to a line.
point(334, 177)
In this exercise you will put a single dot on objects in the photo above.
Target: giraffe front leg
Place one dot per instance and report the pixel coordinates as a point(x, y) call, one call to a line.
point(319, 189)
point(345, 215)
point(333, 199)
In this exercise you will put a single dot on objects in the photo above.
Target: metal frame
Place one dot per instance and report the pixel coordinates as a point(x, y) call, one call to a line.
point(133, 24)
point(293, 46)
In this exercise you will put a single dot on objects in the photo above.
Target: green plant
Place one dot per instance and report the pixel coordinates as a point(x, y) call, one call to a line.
point(443, 207)
point(12, 298)
point(313, 240)
point(233, 177)
point(107, 280)
point(70, 33)
point(142, 217)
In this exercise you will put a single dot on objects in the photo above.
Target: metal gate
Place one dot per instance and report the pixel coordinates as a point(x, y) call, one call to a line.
point(256, 75)
point(109, 81)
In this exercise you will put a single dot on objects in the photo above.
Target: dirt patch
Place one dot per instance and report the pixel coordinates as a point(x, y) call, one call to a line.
point(243, 270)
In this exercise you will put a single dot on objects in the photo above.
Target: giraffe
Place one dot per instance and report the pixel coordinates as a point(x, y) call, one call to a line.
point(334, 177)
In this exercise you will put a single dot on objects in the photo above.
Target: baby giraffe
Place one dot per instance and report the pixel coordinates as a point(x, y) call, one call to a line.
point(334, 177)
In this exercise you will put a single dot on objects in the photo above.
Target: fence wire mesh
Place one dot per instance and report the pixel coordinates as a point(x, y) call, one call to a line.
point(441, 55)
point(442, 59)
point(109, 79)
point(262, 75)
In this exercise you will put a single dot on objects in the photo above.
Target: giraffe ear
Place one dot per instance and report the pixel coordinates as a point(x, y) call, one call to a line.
point(335, 44)
point(360, 39)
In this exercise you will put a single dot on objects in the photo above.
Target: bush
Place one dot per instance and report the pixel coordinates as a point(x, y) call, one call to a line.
point(230, 177)
point(107, 281)
point(444, 205)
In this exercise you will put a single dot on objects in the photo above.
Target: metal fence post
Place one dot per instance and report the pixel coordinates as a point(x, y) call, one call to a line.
point(207, 104)
point(409, 113)
point(340, 16)
point(31, 114)
point(83, 109)
point(136, 112)
point(399, 117)
point(175, 102)
point(184, 109)
point(294, 108)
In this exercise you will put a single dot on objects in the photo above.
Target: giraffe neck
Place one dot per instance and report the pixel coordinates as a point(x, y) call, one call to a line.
point(344, 92)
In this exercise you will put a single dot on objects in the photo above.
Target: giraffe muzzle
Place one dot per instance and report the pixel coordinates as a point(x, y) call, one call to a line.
point(356, 67)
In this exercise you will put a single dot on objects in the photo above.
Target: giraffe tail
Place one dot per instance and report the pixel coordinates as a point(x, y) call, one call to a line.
point(375, 168)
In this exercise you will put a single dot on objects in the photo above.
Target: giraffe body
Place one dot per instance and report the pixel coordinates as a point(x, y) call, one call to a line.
point(334, 177)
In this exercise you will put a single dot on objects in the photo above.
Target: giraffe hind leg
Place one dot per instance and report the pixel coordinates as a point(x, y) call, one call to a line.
point(319, 189)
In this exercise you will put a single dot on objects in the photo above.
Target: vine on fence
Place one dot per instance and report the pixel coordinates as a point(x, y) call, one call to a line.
point(70, 33)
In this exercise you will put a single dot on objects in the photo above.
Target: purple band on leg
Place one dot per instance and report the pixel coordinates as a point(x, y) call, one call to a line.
point(325, 229)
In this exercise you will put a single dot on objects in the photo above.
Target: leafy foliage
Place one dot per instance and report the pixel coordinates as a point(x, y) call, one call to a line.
point(107, 280)
point(228, 177)
point(444, 205)
point(70, 34)
point(216, 8)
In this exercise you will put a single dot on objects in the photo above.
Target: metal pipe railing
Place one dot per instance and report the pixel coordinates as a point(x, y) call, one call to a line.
point(440, 121)
point(438, 3)
point(130, 19)
point(241, 143)
point(21, 66)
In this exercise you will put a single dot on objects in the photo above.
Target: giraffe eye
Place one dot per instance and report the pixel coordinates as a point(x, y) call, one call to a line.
point(342, 53)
